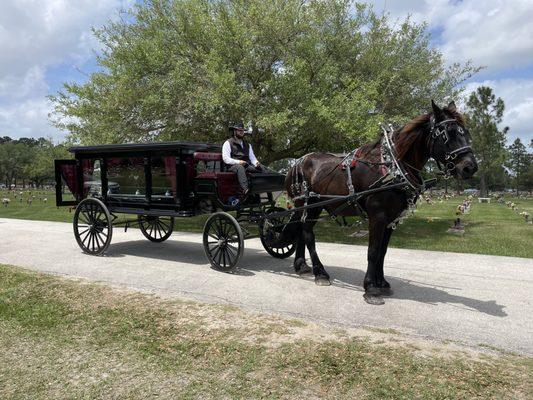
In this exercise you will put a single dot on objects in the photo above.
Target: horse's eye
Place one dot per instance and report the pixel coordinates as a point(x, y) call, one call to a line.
point(460, 130)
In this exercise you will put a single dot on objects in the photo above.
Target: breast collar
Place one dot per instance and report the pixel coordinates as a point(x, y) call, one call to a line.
point(399, 170)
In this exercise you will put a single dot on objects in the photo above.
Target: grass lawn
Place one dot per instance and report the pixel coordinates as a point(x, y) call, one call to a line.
point(490, 228)
point(68, 339)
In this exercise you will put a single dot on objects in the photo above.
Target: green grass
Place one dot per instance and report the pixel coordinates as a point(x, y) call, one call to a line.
point(66, 339)
point(491, 228)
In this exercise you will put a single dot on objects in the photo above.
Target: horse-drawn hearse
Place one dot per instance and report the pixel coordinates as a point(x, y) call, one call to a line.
point(161, 181)
point(153, 184)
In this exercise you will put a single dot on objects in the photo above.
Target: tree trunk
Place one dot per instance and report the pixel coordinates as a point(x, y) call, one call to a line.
point(483, 185)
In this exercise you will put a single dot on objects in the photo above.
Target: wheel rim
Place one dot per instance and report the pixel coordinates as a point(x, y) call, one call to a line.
point(156, 229)
point(92, 226)
point(223, 242)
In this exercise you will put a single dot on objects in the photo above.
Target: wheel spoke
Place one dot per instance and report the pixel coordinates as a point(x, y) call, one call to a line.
point(216, 253)
point(220, 256)
point(90, 244)
point(83, 218)
point(158, 230)
point(233, 247)
point(82, 233)
point(97, 240)
point(231, 252)
point(164, 225)
point(85, 238)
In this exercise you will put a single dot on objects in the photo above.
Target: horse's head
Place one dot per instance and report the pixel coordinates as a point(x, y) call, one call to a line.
point(449, 142)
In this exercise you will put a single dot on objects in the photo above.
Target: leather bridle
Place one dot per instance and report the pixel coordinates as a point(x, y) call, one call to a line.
point(438, 131)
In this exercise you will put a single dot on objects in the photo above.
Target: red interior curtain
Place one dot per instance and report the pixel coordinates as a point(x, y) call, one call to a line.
point(68, 174)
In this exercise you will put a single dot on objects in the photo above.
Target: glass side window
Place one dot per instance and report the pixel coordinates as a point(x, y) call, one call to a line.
point(125, 176)
point(92, 182)
point(164, 183)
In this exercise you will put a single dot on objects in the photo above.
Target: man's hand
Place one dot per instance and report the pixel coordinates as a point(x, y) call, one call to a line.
point(242, 162)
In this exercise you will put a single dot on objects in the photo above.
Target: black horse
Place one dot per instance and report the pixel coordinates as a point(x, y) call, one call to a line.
point(395, 157)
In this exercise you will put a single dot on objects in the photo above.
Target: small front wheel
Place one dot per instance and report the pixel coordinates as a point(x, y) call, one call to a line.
point(93, 226)
point(223, 241)
point(272, 235)
point(156, 229)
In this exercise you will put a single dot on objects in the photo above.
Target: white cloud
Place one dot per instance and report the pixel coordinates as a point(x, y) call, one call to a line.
point(497, 34)
point(517, 95)
point(28, 118)
point(34, 36)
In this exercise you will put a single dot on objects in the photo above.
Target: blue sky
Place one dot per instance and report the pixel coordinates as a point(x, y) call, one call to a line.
point(44, 43)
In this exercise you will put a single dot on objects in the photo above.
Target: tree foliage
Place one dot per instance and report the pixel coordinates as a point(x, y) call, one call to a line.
point(312, 75)
point(485, 112)
point(520, 162)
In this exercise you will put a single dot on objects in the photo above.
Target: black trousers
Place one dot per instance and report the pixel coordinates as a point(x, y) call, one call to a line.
point(241, 171)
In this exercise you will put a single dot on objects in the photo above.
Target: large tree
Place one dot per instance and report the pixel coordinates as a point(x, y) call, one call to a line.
point(312, 75)
point(485, 112)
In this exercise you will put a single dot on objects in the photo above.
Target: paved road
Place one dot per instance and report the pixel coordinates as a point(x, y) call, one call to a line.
point(473, 299)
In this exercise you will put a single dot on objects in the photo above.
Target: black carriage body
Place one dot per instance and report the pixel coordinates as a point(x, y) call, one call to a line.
point(167, 178)
point(161, 181)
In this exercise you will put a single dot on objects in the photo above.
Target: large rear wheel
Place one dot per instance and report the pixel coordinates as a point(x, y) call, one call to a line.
point(156, 229)
point(93, 226)
point(223, 241)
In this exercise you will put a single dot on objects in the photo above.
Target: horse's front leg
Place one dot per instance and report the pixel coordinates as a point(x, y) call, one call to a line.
point(321, 276)
point(381, 281)
point(374, 272)
point(300, 266)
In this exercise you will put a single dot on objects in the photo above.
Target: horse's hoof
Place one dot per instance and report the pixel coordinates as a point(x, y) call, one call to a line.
point(304, 269)
point(386, 291)
point(322, 281)
point(373, 299)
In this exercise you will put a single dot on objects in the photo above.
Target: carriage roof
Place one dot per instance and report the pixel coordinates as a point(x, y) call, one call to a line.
point(140, 147)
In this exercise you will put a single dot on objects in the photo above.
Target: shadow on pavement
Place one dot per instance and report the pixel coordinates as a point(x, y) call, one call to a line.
point(255, 260)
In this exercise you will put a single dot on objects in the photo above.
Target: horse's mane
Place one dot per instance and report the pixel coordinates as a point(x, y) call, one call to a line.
point(411, 132)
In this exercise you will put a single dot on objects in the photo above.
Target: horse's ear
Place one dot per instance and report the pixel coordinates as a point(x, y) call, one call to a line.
point(451, 107)
point(436, 108)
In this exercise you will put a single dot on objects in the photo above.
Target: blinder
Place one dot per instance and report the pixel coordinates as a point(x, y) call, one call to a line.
point(439, 131)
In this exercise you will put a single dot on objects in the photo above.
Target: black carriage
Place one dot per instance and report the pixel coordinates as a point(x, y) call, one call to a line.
point(156, 183)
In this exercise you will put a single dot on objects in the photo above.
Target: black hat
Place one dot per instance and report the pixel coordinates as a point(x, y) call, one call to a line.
point(236, 125)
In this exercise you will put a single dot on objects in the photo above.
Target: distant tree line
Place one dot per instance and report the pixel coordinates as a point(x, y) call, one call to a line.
point(28, 161)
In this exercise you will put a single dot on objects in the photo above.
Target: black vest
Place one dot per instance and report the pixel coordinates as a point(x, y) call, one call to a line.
point(239, 152)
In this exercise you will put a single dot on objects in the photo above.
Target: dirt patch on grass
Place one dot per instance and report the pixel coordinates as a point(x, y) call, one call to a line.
point(66, 339)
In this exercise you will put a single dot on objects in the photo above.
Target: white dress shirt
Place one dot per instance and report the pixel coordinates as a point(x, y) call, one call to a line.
point(226, 154)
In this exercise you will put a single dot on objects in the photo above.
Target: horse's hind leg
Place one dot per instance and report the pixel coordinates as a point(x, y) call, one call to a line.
point(321, 276)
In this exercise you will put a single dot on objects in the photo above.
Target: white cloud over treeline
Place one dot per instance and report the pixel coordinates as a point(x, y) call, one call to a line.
point(36, 35)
